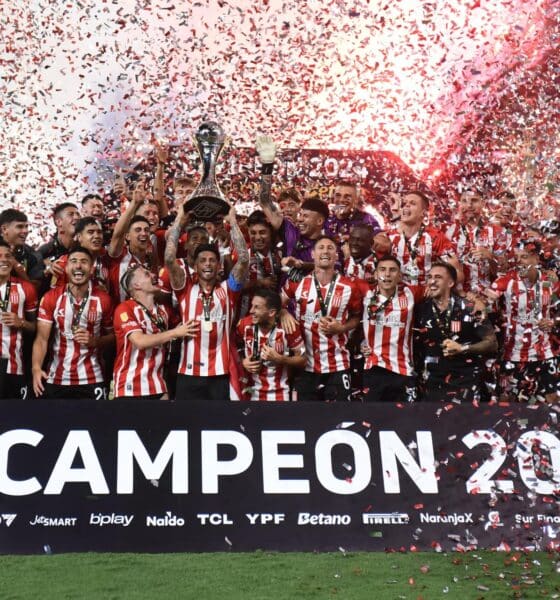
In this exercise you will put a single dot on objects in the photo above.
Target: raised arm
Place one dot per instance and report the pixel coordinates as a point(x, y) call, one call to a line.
point(241, 267)
point(176, 273)
point(121, 227)
point(162, 156)
point(266, 149)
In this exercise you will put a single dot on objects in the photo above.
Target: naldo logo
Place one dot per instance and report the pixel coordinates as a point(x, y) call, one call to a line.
point(7, 519)
point(169, 520)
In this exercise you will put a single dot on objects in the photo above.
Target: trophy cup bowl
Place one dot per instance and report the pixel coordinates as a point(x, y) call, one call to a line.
point(207, 200)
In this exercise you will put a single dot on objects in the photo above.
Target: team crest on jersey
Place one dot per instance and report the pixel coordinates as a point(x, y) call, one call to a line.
point(14, 298)
point(403, 302)
point(455, 326)
point(124, 317)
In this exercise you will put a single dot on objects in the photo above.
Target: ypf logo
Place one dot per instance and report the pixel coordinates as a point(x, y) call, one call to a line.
point(7, 519)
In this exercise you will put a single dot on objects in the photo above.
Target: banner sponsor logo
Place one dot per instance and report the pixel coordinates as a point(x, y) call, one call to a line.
point(279, 476)
point(385, 518)
point(494, 520)
point(453, 519)
point(54, 521)
point(7, 519)
point(102, 520)
point(305, 518)
point(539, 519)
point(169, 520)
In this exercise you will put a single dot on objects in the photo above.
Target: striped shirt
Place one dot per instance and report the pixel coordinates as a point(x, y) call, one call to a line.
point(325, 353)
point(22, 299)
point(73, 363)
point(137, 371)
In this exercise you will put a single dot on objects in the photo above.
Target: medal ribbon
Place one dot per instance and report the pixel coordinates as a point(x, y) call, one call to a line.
point(6, 300)
point(537, 306)
point(256, 345)
point(413, 250)
point(206, 302)
point(158, 321)
point(445, 326)
point(77, 314)
point(373, 313)
point(324, 303)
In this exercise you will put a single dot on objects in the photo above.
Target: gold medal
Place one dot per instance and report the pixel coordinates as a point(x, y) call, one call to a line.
point(207, 325)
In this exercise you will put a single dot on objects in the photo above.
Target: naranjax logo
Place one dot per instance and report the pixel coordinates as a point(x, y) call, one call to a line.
point(454, 518)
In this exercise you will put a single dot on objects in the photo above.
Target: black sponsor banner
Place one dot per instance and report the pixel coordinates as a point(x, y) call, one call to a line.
point(79, 476)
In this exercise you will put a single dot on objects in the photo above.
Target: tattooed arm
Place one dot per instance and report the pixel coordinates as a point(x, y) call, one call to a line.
point(176, 273)
point(267, 152)
point(241, 267)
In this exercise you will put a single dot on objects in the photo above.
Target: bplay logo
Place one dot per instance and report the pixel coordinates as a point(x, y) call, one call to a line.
point(7, 519)
point(102, 520)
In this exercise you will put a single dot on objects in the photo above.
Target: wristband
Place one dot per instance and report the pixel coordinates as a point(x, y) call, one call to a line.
point(267, 168)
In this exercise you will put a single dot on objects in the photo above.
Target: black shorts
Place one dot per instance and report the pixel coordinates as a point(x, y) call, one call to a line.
point(453, 387)
point(152, 398)
point(324, 387)
point(190, 387)
point(12, 387)
point(530, 381)
point(381, 385)
point(90, 391)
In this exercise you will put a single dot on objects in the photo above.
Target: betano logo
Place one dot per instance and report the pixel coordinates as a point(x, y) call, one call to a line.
point(7, 519)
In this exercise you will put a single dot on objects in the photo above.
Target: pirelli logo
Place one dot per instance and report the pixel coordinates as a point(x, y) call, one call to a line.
point(385, 518)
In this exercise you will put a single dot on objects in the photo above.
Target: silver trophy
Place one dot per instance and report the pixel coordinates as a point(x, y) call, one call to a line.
point(207, 200)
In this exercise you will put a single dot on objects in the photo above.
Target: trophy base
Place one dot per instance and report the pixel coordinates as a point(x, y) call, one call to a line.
point(205, 208)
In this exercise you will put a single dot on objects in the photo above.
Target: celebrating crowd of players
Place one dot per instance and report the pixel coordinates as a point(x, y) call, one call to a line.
point(299, 300)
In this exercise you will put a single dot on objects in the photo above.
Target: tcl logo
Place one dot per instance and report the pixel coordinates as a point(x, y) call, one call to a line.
point(6, 519)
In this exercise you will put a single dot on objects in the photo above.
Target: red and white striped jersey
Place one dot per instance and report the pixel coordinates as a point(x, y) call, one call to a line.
point(22, 299)
point(271, 383)
point(164, 282)
point(466, 239)
point(99, 276)
point(325, 353)
point(429, 245)
point(523, 307)
point(388, 329)
point(361, 269)
point(206, 354)
point(73, 363)
point(260, 267)
point(118, 266)
point(139, 372)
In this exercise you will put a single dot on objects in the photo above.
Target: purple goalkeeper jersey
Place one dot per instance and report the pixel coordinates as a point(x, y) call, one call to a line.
point(340, 228)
